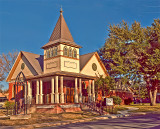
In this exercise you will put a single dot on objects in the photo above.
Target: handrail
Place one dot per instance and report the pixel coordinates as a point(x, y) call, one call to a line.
point(93, 106)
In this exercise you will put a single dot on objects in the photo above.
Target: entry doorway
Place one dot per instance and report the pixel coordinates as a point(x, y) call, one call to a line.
point(69, 95)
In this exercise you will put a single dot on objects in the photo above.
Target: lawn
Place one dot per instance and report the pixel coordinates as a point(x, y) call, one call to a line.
point(115, 109)
point(146, 107)
point(44, 118)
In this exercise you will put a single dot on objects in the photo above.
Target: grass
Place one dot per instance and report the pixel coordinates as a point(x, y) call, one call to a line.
point(146, 107)
point(44, 118)
point(115, 109)
point(3, 112)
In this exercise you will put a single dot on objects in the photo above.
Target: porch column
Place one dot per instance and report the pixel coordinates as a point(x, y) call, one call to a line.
point(56, 92)
point(41, 92)
point(25, 93)
point(29, 92)
point(75, 92)
point(52, 90)
point(89, 91)
point(62, 94)
point(80, 90)
point(93, 91)
point(37, 93)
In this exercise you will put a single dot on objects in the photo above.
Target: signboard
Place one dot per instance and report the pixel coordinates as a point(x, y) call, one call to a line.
point(109, 101)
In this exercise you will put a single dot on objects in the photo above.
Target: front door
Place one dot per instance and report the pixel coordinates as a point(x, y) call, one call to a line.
point(70, 95)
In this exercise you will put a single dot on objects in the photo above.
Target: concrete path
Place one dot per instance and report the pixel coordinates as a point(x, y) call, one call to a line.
point(127, 111)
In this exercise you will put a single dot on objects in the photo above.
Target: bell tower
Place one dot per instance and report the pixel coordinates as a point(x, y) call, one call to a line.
point(61, 53)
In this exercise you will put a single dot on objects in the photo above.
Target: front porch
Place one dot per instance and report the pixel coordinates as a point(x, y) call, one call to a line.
point(60, 90)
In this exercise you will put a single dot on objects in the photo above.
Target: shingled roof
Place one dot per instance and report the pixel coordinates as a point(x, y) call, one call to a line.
point(84, 59)
point(35, 60)
point(61, 33)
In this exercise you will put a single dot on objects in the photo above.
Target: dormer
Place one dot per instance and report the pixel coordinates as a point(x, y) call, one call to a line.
point(61, 53)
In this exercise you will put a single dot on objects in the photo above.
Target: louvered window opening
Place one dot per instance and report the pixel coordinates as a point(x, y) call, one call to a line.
point(69, 52)
point(65, 52)
point(51, 52)
point(74, 53)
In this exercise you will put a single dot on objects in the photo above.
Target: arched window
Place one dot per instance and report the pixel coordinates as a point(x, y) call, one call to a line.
point(48, 53)
point(65, 51)
point(70, 52)
point(74, 53)
point(56, 51)
point(52, 54)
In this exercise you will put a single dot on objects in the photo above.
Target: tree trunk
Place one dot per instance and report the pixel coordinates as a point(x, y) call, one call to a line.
point(153, 96)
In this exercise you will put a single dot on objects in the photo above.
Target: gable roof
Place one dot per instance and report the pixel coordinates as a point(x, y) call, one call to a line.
point(61, 33)
point(35, 60)
point(84, 59)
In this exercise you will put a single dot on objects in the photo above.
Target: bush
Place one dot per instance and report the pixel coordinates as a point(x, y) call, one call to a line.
point(9, 105)
point(116, 100)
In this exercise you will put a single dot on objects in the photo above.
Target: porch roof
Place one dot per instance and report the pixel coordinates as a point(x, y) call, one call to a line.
point(62, 73)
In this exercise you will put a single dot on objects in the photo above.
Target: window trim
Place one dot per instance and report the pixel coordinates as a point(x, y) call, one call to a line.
point(65, 51)
point(55, 51)
point(70, 52)
point(52, 52)
point(74, 50)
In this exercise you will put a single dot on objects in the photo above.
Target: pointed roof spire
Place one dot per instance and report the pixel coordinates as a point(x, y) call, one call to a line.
point(61, 30)
point(61, 33)
point(61, 11)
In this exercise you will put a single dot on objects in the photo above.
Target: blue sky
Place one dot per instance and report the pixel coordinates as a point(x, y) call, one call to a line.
point(26, 25)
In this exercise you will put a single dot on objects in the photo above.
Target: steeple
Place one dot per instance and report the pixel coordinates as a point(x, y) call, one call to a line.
point(61, 33)
point(61, 11)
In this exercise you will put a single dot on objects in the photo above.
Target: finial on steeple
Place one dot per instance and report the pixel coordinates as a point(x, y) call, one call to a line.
point(61, 11)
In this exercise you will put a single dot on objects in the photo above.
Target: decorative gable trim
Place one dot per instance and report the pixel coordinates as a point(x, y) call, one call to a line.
point(19, 57)
point(87, 62)
point(99, 60)
point(101, 63)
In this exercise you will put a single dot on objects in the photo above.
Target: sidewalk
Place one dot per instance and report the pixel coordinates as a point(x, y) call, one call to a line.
point(108, 116)
point(125, 112)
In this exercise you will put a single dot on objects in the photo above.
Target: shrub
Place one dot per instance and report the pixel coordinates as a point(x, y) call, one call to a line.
point(9, 105)
point(116, 100)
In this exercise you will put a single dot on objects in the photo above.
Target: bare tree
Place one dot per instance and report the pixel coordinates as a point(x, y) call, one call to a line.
point(6, 63)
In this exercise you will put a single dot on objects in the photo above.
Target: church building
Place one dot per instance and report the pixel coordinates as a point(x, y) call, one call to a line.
point(61, 76)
